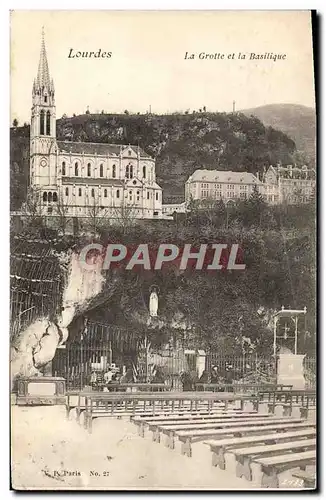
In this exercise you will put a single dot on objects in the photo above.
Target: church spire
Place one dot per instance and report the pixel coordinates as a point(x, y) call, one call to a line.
point(43, 75)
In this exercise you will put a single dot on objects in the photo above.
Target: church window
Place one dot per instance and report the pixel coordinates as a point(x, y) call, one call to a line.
point(144, 171)
point(105, 193)
point(45, 196)
point(148, 195)
point(101, 170)
point(45, 98)
point(93, 193)
point(50, 197)
point(79, 192)
point(67, 191)
point(76, 169)
point(129, 152)
point(118, 193)
point(130, 195)
point(63, 168)
point(42, 118)
point(48, 123)
point(89, 169)
point(55, 197)
point(138, 194)
point(156, 196)
point(113, 171)
point(127, 171)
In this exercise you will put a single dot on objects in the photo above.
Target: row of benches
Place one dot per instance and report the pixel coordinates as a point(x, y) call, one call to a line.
point(273, 444)
point(220, 421)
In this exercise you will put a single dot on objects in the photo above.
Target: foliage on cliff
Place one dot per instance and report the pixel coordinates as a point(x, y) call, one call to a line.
point(181, 143)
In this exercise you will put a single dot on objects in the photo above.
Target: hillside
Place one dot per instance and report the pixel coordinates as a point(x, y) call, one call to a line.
point(298, 122)
point(180, 142)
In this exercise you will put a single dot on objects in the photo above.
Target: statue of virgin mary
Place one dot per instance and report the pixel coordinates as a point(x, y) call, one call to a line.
point(153, 303)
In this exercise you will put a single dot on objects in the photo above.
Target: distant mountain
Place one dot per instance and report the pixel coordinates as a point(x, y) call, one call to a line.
point(296, 121)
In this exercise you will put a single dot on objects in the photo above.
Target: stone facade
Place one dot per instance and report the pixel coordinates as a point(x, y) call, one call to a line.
point(82, 177)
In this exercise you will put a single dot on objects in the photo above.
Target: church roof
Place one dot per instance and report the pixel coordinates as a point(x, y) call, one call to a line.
point(224, 176)
point(43, 74)
point(97, 148)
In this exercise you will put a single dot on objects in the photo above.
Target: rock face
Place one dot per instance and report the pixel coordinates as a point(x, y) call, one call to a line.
point(179, 142)
point(62, 291)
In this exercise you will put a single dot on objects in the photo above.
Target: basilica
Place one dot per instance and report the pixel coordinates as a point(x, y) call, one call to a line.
point(83, 177)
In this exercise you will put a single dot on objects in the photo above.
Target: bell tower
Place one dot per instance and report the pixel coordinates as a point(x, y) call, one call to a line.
point(43, 126)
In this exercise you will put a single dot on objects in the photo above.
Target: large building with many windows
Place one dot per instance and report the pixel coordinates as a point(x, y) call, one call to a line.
point(289, 184)
point(81, 176)
point(221, 185)
point(279, 184)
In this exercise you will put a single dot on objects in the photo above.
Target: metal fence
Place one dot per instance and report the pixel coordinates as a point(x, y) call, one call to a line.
point(76, 363)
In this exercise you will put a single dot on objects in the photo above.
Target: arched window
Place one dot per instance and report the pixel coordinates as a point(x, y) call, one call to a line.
point(113, 171)
point(63, 168)
point(45, 98)
point(105, 193)
point(93, 193)
point(67, 191)
point(144, 171)
point(76, 169)
point(130, 195)
point(55, 197)
point(45, 196)
point(131, 171)
point(138, 194)
point(148, 195)
point(156, 196)
point(88, 169)
point(79, 192)
point(127, 171)
point(50, 197)
point(42, 118)
point(101, 170)
point(118, 193)
point(48, 123)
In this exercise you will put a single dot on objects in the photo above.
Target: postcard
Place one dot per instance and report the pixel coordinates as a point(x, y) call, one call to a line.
point(163, 250)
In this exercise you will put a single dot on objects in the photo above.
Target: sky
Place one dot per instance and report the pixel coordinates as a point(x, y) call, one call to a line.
point(148, 65)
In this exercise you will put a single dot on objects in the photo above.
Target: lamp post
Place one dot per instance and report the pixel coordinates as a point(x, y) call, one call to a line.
point(292, 314)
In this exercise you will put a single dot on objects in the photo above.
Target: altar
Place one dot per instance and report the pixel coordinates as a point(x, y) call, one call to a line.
point(289, 363)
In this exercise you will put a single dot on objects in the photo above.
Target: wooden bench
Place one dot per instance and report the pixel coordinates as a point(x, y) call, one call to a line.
point(126, 406)
point(171, 430)
point(309, 478)
point(290, 399)
point(244, 387)
point(141, 387)
point(271, 467)
point(96, 405)
point(142, 421)
point(193, 436)
point(220, 447)
point(245, 456)
point(169, 427)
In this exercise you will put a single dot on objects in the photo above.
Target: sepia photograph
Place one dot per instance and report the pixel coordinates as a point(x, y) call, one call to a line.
point(163, 322)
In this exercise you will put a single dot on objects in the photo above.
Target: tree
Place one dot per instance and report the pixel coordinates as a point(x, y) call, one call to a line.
point(126, 112)
point(98, 216)
point(62, 210)
point(32, 208)
point(125, 216)
point(15, 123)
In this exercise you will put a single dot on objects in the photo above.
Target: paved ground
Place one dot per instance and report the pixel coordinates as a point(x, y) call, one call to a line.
point(45, 445)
